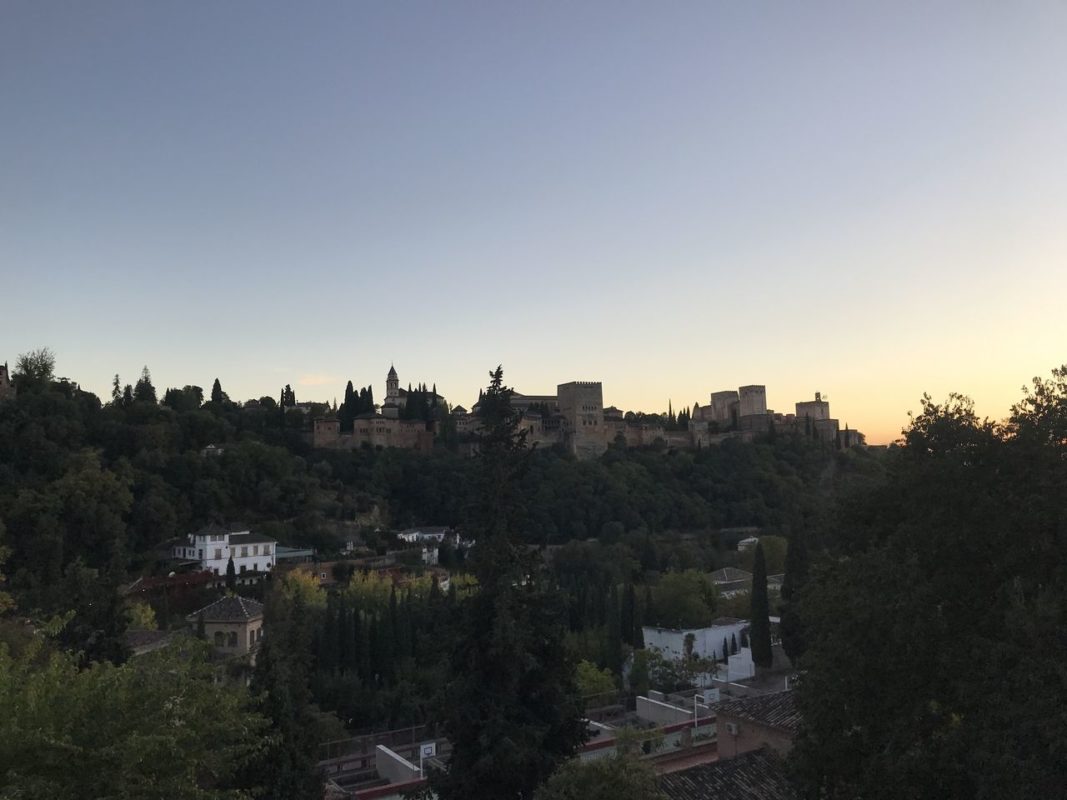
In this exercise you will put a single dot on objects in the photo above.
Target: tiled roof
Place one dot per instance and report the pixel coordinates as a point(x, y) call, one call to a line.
point(777, 710)
point(759, 775)
point(229, 609)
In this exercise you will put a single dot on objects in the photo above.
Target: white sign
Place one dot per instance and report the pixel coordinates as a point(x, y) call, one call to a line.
point(429, 750)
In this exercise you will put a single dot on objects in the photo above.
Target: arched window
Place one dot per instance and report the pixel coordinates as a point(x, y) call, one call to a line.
point(220, 639)
point(233, 639)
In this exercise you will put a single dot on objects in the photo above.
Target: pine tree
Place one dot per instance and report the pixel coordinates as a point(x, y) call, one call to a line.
point(217, 395)
point(510, 704)
point(144, 391)
point(116, 391)
point(760, 635)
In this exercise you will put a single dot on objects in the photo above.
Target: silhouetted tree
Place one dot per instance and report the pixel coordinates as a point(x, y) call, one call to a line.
point(760, 635)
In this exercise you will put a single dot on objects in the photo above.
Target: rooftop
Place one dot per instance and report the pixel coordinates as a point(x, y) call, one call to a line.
point(759, 775)
point(250, 538)
point(777, 710)
point(229, 609)
point(728, 574)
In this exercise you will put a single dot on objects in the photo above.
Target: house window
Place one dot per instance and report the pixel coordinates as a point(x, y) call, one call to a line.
point(220, 639)
point(233, 639)
point(218, 552)
point(244, 568)
point(266, 549)
point(255, 567)
point(255, 549)
point(244, 551)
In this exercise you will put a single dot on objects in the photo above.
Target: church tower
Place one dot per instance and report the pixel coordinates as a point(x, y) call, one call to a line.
point(391, 406)
point(392, 386)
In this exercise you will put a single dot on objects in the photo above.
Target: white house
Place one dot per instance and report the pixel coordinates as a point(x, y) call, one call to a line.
point(214, 546)
point(424, 535)
point(707, 642)
point(748, 543)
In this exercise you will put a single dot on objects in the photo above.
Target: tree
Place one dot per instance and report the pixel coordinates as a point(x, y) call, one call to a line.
point(144, 391)
point(593, 681)
point(963, 539)
point(34, 369)
point(683, 600)
point(796, 575)
point(217, 395)
point(6, 602)
point(116, 391)
point(760, 635)
point(510, 705)
point(615, 778)
point(231, 576)
point(71, 732)
point(282, 681)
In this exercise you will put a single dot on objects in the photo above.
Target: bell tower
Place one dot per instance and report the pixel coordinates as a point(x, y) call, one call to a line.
point(392, 386)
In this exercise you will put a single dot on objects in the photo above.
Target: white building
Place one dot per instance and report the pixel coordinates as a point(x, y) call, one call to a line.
point(707, 642)
point(214, 546)
point(424, 535)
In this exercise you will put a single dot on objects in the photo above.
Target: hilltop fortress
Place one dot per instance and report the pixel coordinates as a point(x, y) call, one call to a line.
point(576, 419)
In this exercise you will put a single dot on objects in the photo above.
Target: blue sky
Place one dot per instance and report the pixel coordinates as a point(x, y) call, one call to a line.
point(673, 198)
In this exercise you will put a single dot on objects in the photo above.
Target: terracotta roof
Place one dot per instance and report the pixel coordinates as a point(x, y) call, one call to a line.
point(229, 609)
point(759, 775)
point(777, 710)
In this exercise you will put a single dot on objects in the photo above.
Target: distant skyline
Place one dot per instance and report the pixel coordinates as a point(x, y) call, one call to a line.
point(673, 199)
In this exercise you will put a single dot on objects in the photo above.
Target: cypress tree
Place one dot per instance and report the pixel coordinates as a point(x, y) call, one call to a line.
point(796, 575)
point(613, 638)
point(217, 395)
point(761, 625)
point(231, 576)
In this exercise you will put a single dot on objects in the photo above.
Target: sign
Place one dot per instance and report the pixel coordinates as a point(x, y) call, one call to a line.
point(429, 750)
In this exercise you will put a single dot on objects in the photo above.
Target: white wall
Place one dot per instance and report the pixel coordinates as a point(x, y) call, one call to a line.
point(707, 642)
point(393, 767)
point(260, 555)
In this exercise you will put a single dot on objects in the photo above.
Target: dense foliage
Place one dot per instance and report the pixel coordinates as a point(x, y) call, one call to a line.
point(936, 661)
point(156, 727)
point(510, 704)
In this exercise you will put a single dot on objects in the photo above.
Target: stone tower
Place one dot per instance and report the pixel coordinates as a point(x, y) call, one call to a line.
point(392, 385)
point(582, 405)
point(391, 406)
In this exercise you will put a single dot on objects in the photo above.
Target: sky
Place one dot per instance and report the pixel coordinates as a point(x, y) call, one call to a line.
point(866, 200)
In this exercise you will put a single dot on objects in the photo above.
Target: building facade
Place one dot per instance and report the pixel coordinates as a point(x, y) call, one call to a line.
point(214, 546)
